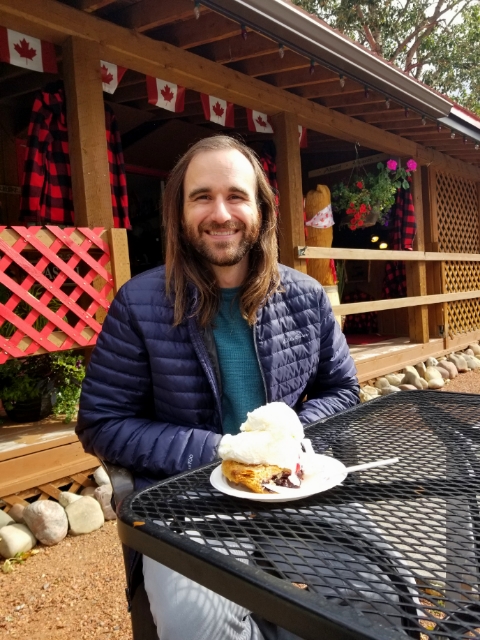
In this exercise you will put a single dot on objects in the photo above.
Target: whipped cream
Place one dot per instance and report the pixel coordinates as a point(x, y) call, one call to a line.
point(272, 434)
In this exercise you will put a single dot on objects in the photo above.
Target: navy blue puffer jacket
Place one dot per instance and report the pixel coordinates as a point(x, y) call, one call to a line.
point(150, 399)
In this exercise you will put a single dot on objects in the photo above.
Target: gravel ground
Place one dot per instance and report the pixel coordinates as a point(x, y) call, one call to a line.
point(75, 590)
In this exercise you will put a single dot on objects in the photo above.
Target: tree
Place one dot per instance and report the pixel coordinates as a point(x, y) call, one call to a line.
point(435, 41)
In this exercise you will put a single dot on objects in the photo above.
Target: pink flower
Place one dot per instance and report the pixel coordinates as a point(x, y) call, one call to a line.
point(391, 165)
point(411, 165)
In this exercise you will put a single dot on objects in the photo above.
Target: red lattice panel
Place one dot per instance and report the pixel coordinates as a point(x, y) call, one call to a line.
point(80, 287)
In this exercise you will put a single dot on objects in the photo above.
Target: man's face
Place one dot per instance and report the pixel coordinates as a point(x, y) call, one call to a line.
point(221, 220)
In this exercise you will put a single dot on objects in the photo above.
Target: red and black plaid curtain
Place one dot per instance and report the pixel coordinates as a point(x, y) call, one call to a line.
point(403, 233)
point(47, 185)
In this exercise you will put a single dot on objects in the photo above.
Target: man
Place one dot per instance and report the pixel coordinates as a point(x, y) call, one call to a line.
point(188, 349)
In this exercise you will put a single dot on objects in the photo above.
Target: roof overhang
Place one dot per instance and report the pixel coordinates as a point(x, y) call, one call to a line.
point(310, 37)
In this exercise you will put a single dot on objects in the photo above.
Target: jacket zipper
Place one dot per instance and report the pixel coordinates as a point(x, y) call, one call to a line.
point(259, 363)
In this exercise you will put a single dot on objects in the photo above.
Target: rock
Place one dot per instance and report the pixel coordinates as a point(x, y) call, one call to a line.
point(472, 362)
point(14, 539)
point(431, 373)
point(88, 491)
point(424, 383)
point(468, 352)
point(475, 347)
point(412, 371)
point(421, 368)
point(419, 383)
point(365, 397)
point(407, 387)
point(385, 391)
point(382, 383)
point(395, 379)
point(101, 477)
point(431, 362)
point(436, 383)
point(84, 516)
point(444, 373)
point(372, 391)
point(66, 497)
point(47, 521)
point(459, 361)
point(5, 519)
point(412, 378)
point(104, 496)
point(450, 367)
point(16, 512)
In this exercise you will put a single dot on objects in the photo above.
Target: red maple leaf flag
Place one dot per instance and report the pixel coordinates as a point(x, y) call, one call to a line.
point(111, 75)
point(166, 95)
point(218, 110)
point(24, 51)
point(302, 136)
point(258, 121)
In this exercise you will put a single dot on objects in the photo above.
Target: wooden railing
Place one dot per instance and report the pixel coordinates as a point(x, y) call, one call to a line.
point(396, 303)
point(56, 286)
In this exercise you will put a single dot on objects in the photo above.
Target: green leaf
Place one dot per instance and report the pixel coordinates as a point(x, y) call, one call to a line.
point(405, 185)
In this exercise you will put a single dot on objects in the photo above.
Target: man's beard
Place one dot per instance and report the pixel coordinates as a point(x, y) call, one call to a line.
point(222, 254)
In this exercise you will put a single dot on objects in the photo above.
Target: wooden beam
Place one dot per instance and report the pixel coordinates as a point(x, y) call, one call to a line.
point(416, 272)
point(354, 97)
point(344, 166)
point(236, 48)
point(191, 33)
point(300, 77)
point(55, 22)
point(374, 107)
point(90, 5)
point(149, 14)
point(327, 89)
point(289, 177)
point(270, 63)
point(87, 140)
point(380, 255)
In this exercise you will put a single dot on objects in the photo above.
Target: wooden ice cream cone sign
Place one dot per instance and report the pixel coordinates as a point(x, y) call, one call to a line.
point(319, 232)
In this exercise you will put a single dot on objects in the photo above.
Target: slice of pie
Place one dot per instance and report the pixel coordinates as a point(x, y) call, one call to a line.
point(257, 477)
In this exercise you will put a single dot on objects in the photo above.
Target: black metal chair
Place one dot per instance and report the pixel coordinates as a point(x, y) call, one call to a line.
point(143, 626)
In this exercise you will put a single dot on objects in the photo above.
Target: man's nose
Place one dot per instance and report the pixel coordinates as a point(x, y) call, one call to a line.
point(220, 211)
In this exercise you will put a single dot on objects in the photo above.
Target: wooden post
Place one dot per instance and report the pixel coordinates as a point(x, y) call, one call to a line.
point(289, 177)
point(416, 271)
point(86, 134)
point(119, 258)
point(436, 318)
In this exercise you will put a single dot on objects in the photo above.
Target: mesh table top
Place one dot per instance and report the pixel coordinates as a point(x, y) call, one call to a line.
point(391, 553)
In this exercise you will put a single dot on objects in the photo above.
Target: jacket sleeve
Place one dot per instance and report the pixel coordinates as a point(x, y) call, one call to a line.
point(335, 386)
point(113, 420)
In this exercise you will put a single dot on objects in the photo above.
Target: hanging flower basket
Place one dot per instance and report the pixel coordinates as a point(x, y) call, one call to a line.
point(367, 199)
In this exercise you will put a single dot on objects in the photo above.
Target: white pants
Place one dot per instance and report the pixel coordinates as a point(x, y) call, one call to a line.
point(184, 610)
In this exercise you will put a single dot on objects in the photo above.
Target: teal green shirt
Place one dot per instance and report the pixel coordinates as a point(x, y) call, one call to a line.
point(242, 384)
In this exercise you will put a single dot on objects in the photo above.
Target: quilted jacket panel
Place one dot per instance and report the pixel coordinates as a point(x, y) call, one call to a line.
point(150, 399)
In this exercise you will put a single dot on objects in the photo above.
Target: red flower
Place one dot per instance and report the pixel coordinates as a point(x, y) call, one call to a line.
point(363, 208)
point(360, 223)
point(360, 185)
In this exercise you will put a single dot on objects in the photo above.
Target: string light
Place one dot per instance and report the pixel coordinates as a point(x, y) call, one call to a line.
point(383, 245)
point(424, 120)
point(374, 239)
point(244, 31)
point(465, 140)
point(388, 103)
point(439, 127)
point(281, 50)
point(341, 79)
point(367, 92)
point(452, 134)
point(312, 66)
point(196, 9)
point(477, 147)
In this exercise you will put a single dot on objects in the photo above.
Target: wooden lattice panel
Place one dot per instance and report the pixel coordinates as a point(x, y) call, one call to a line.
point(53, 283)
point(459, 231)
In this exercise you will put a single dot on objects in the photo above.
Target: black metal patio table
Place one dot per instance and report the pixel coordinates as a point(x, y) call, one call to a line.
point(391, 553)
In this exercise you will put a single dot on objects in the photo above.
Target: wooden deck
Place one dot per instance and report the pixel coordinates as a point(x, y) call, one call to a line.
point(36, 458)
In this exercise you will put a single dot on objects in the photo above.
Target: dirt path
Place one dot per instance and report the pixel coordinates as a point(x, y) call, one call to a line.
point(75, 590)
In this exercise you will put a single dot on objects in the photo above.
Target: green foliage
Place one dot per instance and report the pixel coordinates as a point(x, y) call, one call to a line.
point(371, 193)
point(58, 374)
point(436, 41)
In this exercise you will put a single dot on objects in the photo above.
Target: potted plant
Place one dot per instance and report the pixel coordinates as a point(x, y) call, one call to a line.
point(367, 199)
point(33, 387)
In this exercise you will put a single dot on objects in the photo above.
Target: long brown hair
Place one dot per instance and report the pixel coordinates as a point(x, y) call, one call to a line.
point(185, 267)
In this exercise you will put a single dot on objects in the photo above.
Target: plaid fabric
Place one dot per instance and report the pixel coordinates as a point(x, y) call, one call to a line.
point(359, 322)
point(47, 186)
point(403, 233)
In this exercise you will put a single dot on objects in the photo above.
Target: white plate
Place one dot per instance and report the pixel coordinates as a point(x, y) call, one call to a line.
point(331, 472)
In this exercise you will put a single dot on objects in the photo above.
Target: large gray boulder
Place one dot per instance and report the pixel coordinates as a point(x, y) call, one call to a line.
point(84, 516)
point(47, 521)
point(67, 497)
point(16, 538)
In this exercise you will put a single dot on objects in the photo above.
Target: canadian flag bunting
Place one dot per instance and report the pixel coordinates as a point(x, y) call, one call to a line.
point(24, 51)
point(258, 121)
point(302, 136)
point(218, 110)
point(111, 75)
point(166, 95)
